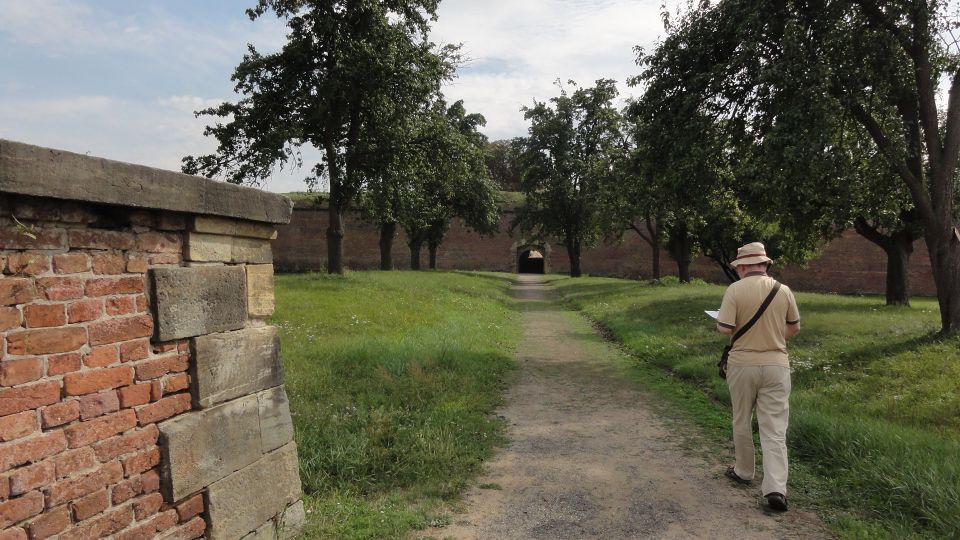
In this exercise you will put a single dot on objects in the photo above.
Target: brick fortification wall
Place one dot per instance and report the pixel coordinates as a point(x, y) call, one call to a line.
point(849, 264)
point(141, 391)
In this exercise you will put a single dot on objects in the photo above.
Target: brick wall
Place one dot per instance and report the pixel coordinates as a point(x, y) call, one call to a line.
point(121, 313)
point(849, 264)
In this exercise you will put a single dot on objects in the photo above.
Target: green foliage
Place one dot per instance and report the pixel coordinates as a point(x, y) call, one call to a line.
point(569, 153)
point(875, 413)
point(502, 163)
point(392, 378)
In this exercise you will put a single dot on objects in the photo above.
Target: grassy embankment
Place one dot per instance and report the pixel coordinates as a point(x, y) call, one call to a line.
point(875, 413)
point(391, 382)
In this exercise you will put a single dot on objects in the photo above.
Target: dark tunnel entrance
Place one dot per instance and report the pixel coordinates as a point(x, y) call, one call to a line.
point(530, 262)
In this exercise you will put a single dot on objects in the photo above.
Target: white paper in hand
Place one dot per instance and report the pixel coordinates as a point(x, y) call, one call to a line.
point(713, 314)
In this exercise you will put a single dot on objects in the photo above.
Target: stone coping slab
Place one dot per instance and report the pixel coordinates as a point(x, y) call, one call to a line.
point(26, 169)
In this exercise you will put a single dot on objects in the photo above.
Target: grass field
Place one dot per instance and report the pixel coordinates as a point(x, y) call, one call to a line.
point(875, 413)
point(392, 377)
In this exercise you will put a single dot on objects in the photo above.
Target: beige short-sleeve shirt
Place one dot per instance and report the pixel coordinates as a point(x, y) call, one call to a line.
point(766, 343)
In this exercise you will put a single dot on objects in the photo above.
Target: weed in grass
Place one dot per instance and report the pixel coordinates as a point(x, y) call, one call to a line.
point(392, 378)
point(875, 429)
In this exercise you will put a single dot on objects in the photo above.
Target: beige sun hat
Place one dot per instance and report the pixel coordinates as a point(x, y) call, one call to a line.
point(752, 253)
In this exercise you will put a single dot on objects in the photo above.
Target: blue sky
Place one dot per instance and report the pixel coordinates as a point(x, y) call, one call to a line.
point(120, 79)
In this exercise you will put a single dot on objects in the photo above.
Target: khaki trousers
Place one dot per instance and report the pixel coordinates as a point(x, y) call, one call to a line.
point(768, 388)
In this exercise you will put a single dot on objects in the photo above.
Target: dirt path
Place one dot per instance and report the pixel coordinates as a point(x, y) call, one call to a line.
point(589, 457)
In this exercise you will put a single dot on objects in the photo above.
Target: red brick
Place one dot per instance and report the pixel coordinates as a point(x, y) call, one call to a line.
point(19, 425)
point(102, 356)
point(126, 490)
point(37, 209)
point(155, 242)
point(94, 405)
point(9, 318)
point(116, 330)
point(176, 383)
point(22, 398)
point(60, 413)
point(28, 264)
point(150, 481)
point(21, 508)
point(44, 315)
point(81, 486)
point(156, 390)
point(190, 508)
point(183, 346)
point(189, 531)
point(141, 303)
point(33, 449)
point(142, 462)
point(137, 394)
point(50, 523)
point(163, 409)
point(158, 367)
point(74, 461)
point(13, 534)
point(165, 259)
point(127, 443)
point(148, 505)
point(151, 528)
point(11, 238)
point(101, 527)
point(71, 263)
point(95, 380)
point(91, 505)
point(137, 265)
point(88, 309)
point(61, 288)
point(108, 286)
point(121, 305)
point(63, 363)
point(23, 371)
point(134, 350)
point(108, 263)
point(46, 341)
point(33, 477)
point(100, 239)
point(92, 431)
point(15, 291)
point(165, 347)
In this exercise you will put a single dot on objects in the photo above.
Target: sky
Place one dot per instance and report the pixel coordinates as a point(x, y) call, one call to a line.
point(121, 80)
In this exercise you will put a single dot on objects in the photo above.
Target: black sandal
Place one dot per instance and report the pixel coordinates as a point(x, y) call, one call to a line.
point(732, 474)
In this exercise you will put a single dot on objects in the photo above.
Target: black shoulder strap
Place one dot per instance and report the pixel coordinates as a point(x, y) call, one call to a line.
point(756, 317)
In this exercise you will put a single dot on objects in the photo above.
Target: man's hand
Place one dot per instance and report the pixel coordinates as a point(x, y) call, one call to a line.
point(792, 329)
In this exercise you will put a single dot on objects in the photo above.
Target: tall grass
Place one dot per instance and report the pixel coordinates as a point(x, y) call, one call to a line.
point(875, 414)
point(392, 378)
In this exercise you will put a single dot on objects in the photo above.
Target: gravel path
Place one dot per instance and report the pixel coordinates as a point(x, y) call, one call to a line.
point(590, 458)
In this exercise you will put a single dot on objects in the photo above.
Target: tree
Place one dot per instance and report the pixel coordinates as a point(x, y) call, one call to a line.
point(567, 156)
point(450, 180)
point(501, 162)
point(344, 82)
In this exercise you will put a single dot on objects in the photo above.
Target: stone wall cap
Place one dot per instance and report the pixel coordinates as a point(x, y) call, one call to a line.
point(26, 169)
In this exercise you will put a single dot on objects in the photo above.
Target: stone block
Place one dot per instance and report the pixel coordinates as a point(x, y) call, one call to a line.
point(233, 227)
point(234, 364)
point(242, 502)
point(276, 424)
point(205, 446)
point(291, 522)
point(260, 298)
point(202, 247)
point(195, 301)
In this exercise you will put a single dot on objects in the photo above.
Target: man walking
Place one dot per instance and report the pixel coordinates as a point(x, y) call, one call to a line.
point(758, 370)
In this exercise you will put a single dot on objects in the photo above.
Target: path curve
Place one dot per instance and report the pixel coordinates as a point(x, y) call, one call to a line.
point(590, 458)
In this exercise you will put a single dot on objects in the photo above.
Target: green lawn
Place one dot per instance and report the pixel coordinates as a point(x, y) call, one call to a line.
point(875, 416)
point(392, 377)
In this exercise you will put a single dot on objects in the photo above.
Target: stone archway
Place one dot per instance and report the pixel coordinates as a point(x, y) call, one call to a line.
point(531, 257)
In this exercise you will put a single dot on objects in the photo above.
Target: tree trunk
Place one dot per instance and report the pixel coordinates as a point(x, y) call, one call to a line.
point(432, 250)
point(654, 230)
point(573, 252)
point(898, 247)
point(415, 246)
point(681, 248)
point(387, 233)
point(944, 248)
point(335, 240)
